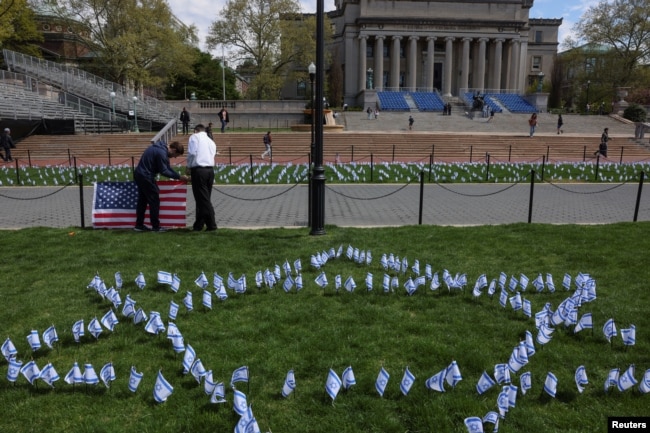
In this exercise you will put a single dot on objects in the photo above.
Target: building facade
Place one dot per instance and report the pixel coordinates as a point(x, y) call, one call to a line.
point(450, 46)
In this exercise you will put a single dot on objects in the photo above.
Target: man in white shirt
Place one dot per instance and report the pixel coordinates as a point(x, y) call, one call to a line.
point(200, 165)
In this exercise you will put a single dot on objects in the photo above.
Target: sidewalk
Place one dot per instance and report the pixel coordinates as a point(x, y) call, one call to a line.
point(273, 206)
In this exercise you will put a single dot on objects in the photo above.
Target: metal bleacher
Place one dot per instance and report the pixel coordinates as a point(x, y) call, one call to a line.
point(397, 101)
point(428, 101)
point(392, 101)
point(91, 89)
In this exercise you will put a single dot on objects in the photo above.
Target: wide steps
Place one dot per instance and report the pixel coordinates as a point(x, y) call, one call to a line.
point(341, 147)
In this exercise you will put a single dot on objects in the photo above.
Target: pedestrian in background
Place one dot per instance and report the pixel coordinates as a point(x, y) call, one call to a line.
point(602, 147)
point(560, 122)
point(7, 143)
point(154, 161)
point(411, 120)
point(208, 130)
point(532, 122)
point(267, 144)
point(200, 164)
point(185, 120)
point(225, 119)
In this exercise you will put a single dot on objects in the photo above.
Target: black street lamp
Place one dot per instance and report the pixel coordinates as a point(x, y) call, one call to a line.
point(312, 74)
point(112, 95)
point(135, 114)
point(588, 84)
point(318, 173)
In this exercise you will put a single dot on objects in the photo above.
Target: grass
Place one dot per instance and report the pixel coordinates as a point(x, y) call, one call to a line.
point(350, 173)
point(44, 275)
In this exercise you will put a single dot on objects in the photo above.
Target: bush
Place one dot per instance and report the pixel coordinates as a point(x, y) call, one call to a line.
point(635, 113)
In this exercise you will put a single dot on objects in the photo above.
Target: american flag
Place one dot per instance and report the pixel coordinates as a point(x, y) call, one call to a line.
point(114, 204)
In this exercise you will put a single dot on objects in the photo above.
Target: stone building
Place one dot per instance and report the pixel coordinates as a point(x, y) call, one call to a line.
point(452, 46)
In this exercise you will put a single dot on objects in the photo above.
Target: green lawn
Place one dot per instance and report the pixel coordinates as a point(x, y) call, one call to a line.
point(44, 274)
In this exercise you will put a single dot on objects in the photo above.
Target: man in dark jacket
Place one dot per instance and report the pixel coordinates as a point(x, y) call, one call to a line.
point(185, 120)
point(6, 143)
point(154, 161)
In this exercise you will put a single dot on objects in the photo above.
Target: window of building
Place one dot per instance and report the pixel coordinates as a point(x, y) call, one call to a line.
point(402, 53)
point(386, 52)
point(537, 63)
point(301, 88)
point(539, 36)
point(370, 51)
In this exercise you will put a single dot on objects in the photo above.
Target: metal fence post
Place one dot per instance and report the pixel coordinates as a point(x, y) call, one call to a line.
point(80, 176)
point(421, 197)
point(530, 200)
point(487, 167)
point(638, 196)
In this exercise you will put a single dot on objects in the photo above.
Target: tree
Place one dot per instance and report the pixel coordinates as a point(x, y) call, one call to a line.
point(624, 27)
point(272, 35)
point(135, 42)
point(18, 30)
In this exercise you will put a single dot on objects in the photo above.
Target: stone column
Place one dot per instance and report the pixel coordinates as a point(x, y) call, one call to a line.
point(514, 64)
point(362, 62)
point(523, 66)
point(448, 66)
point(394, 67)
point(431, 48)
point(379, 63)
point(413, 64)
point(498, 59)
point(464, 69)
point(480, 79)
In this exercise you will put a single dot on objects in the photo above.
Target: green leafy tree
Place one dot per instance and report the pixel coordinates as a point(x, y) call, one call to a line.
point(18, 29)
point(624, 27)
point(135, 42)
point(276, 40)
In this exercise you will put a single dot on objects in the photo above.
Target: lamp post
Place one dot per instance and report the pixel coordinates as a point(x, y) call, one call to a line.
point(112, 95)
point(135, 114)
point(540, 81)
point(588, 84)
point(312, 74)
point(318, 173)
point(369, 78)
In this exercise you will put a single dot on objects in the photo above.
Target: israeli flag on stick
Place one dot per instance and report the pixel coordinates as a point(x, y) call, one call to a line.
point(8, 349)
point(202, 281)
point(139, 316)
point(550, 384)
point(164, 277)
point(49, 374)
point(134, 379)
point(188, 358)
point(644, 386)
point(289, 384)
point(626, 380)
point(50, 336)
point(176, 283)
point(581, 378)
point(239, 375)
point(90, 377)
point(14, 369)
point(173, 310)
point(609, 329)
point(629, 335)
point(34, 340)
point(585, 322)
point(349, 284)
point(239, 403)
point(369, 281)
point(321, 280)
point(107, 373)
point(140, 281)
point(474, 424)
point(382, 381)
point(525, 382)
point(437, 381)
point(188, 302)
point(333, 384)
point(109, 320)
point(348, 378)
point(484, 383)
point(407, 381)
point(129, 307)
point(31, 371)
point(95, 328)
point(549, 283)
point(118, 280)
point(162, 390)
point(453, 374)
point(74, 375)
point(207, 299)
point(612, 378)
point(297, 264)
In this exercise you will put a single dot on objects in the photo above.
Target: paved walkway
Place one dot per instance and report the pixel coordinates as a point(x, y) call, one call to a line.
point(360, 205)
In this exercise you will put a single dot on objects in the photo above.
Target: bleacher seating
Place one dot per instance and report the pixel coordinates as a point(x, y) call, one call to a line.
point(428, 101)
point(392, 101)
point(514, 103)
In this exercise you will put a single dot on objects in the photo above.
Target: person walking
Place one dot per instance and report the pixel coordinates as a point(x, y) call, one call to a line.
point(225, 119)
point(411, 121)
point(560, 122)
point(200, 165)
point(532, 122)
point(267, 144)
point(185, 120)
point(602, 147)
point(154, 161)
point(6, 144)
point(208, 131)
point(491, 116)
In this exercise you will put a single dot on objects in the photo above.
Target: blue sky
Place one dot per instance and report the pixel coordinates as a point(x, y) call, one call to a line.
point(202, 13)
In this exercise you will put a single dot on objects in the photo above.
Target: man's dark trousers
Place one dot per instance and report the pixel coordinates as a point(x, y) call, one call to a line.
point(202, 181)
point(148, 193)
